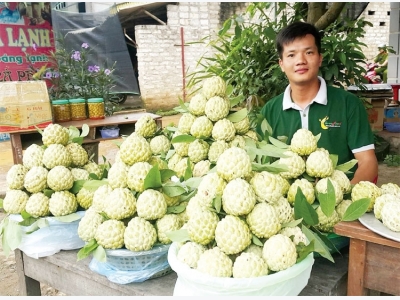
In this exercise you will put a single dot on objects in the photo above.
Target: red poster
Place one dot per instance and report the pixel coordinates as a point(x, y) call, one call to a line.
point(26, 39)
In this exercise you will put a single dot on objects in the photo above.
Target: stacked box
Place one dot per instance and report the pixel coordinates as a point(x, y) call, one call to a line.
point(24, 105)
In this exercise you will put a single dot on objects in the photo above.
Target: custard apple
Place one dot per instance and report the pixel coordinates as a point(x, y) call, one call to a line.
point(217, 108)
point(36, 179)
point(366, 189)
point(216, 149)
point(186, 122)
point(201, 128)
point(110, 234)
point(198, 150)
point(266, 187)
point(248, 265)
point(252, 135)
point(238, 141)
point(242, 126)
point(135, 148)
point(55, 134)
point(160, 144)
point(201, 168)
point(79, 174)
point(182, 165)
point(15, 201)
point(137, 174)
point(232, 235)
point(296, 235)
point(322, 187)
point(263, 220)
point(56, 155)
point(15, 177)
point(88, 225)
point(189, 253)
point(214, 86)
point(211, 186)
point(391, 215)
point(326, 223)
point(146, 126)
point(284, 210)
point(382, 200)
point(197, 104)
point(319, 164)
point(119, 204)
point(94, 168)
point(100, 196)
point(140, 235)
point(79, 155)
point(62, 203)
point(238, 197)
point(151, 205)
point(294, 162)
point(341, 178)
point(255, 249)
point(33, 156)
point(38, 205)
point(60, 178)
point(215, 262)
point(201, 226)
point(279, 252)
point(223, 130)
point(234, 163)
point(181, 148)
point(306, 188)
point(118, 175)
point(390, 188)
point(303, 142)
point(342, 207)
point(85, 197)
point(166, 224)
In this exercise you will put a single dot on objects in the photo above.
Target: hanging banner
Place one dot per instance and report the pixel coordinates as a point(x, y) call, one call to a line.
point(26, 39)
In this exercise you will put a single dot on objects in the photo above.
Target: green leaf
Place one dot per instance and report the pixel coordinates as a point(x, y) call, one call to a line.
point(178, 236)
point(93, 185)
point(78, 184)
point(319, 245)
point(183, 106)
point(48, 192)
point(272, 151)
point(173, 189)
point(25, 215)
point(153, 179)
point(278, 143)
point(183, 138)
point(78, 140)
point(28, 221)
point(175, 209)
point(334, 158)
point(193, 182)
point(356, 209)
point(292, 224)
point(1, 203)
point(265, 127)
point(327, 200)
point(100, 254)
point(85, 130)
point(304, 210)
point(347, 166)
point(68, 218)
point(217, 203)
point(86, 250)
point(73, 132)
point(305, 251)
point(188, 171)
point(166, 174)
point(236, 100)
point(256, 241)
point(237, 116)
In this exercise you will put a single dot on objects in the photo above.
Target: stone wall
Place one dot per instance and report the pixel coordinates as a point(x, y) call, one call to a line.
point(163, 61)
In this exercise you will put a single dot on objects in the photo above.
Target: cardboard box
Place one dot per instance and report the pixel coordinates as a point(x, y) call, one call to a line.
point(376, 113)
point(24, 105)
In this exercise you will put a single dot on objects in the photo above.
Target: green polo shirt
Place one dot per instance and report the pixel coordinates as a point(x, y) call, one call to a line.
point(341, 119)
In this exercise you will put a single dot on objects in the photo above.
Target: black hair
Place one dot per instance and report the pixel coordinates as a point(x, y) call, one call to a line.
point(296, 30)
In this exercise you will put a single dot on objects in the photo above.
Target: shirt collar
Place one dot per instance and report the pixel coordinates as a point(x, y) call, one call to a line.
point(320, 98)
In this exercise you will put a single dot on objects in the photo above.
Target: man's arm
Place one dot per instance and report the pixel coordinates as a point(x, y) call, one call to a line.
point(367, 169)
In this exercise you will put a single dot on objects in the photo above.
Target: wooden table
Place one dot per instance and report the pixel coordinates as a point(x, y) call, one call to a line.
point(21, 139)
point(63, 272)
point(374, 261)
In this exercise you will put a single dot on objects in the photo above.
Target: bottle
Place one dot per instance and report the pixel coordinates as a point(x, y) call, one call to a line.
point(61, 110)
point(96, 108)
point(78, 109)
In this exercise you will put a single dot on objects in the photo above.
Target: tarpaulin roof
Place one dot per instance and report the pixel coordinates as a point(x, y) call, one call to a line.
point(129, 11)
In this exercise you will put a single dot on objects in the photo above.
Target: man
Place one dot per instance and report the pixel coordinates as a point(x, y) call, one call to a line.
point(307, 102)
point(382, 60)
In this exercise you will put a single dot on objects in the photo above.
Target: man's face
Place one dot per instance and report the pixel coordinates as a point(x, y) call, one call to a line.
point(301, 60)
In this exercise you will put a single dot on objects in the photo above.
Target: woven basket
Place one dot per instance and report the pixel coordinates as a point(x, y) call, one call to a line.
point(126, 260)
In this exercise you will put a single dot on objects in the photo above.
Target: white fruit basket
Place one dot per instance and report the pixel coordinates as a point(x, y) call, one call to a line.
point(124, 266)
point(191, 282)
point(52, 239)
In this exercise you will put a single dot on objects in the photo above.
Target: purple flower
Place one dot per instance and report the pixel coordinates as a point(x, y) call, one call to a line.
point(107, 72)
point(76, 56)
point(48, 75)
point(85, 45)
point(93, 69)
point(34, 46)
point(56, 74)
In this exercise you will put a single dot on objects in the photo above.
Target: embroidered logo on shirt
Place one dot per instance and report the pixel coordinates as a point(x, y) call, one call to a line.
point(325, 125)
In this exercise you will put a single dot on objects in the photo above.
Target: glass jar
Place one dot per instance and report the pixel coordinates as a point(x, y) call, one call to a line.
point(96, 108)
point(61, 110)
point(78, 109)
